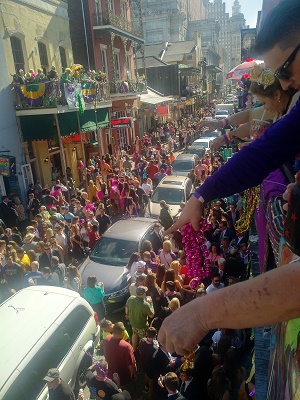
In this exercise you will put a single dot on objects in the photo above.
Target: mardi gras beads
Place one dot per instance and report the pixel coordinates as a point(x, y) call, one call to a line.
point(189, 361)
point(198, 264)
point(251, 198)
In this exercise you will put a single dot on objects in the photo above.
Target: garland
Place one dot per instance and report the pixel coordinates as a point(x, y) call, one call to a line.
point(198, 265)
point(251, 198)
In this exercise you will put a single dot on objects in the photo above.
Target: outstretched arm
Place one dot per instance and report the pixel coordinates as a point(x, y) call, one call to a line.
point(267, 299)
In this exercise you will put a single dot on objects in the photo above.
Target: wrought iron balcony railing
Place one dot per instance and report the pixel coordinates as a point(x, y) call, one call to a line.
point(120, 22)
point(55, 93)
point(129, 86)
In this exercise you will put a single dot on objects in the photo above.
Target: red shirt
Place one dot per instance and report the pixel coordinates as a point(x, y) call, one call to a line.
point(119, 355)
point(152, 169)
point(93, 236)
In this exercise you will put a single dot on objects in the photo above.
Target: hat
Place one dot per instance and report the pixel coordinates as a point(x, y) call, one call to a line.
point(140, 290)
point(28, 238)
point(140, 264)
point(53, 373)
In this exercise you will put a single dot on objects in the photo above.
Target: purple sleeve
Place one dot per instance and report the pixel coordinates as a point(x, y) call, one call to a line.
point(254, 162)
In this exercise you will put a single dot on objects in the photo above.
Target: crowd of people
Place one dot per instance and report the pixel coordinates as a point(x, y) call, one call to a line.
point(43, 242)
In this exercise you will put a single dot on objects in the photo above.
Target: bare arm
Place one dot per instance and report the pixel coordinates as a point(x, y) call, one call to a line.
point(267, 299)
point(235, 119)
point(240, 132)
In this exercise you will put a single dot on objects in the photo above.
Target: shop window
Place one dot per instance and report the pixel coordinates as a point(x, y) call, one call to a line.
point(18, 56)
point(63, 57)
point(103, 60)
point(43, 56)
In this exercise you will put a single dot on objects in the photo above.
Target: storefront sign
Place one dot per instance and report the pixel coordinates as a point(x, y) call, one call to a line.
point(74, 138)
point(120, 123)
point(162, 111)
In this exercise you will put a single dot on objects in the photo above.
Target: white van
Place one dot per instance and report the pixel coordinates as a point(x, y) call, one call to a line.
point(44, 327)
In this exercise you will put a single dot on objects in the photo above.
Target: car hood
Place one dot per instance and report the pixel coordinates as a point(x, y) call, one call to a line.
point(114, 278)
point(154, 209)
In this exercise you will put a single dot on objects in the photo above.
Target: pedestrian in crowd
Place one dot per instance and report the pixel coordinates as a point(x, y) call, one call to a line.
point(137, 311)
point(94, 295)
point(58, 389)
point(165, 216)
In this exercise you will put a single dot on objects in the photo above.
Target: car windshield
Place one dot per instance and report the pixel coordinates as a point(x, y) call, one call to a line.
point(170, 195)
point(182, 165)
point(112, 251)
point(221, 112)
point(196, 150)
point(200, 143)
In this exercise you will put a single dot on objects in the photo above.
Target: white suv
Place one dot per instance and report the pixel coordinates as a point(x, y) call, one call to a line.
point(44, 327)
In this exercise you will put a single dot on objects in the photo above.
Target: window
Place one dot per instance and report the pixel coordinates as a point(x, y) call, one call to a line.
point(117, 65)
point(123, 10)
point(111, 5)
point(16, 46)
point(63, 57)
point(103, 60)
point(43, 56)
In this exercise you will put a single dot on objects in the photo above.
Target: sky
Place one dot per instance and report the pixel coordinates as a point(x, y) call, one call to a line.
point(249, 8)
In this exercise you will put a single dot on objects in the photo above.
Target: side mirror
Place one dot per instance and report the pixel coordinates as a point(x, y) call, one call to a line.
point(87, 250)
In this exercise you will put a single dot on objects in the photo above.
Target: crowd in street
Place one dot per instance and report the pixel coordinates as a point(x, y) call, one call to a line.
point(43, 242)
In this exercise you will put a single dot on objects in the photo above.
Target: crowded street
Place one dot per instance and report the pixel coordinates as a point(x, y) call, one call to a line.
point(149, 200)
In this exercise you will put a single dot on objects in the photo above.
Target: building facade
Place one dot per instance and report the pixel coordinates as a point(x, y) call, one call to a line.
point(36, 35)
point(107, 30)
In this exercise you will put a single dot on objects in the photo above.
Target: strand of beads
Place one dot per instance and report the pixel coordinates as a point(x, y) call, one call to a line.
point(198, 264)
point(251, 198)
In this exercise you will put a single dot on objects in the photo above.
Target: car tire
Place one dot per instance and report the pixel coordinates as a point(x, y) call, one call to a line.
point(83, 367)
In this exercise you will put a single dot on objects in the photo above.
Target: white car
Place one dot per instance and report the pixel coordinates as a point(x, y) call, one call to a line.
point(174, 190)
point(202, 142)
point(221, 114)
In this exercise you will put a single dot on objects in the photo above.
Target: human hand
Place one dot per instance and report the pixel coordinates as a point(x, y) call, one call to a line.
point(217, 143)
point(192, 212)
point(286, 195)
point(181, 335)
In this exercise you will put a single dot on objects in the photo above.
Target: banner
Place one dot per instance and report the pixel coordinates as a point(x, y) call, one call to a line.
point(33, 94)
point(89, 91)
point(73, 95)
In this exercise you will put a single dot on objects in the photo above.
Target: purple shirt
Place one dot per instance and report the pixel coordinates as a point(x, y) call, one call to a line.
point(254, 162)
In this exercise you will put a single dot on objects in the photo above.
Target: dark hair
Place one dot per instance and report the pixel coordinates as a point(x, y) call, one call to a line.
point(46, 270)
point(105, 323)
point(231, 365)
point(215, 273)
point(160, 274)
point(151, 332)
point(133, 258)
point(224, 223)
point(177, 237)
point(215, 244)
point(146, 246)
point(218, 384)
point(281, 27)
point(169, 276)
point(91, 281)
point(171, 381)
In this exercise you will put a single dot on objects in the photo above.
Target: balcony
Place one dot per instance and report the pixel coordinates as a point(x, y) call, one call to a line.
point(118, 24)
point(55, 93)
point(128, 87)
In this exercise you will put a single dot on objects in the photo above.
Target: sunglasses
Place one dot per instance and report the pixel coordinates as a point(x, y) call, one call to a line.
point(281, 72)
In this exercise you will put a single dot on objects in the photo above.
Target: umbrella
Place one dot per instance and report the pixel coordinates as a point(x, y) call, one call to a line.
point(242, 69)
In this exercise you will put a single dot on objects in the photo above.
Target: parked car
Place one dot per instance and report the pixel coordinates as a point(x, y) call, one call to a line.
point(44, 327)
point(110, 255)
point(199, 150)
point(212, 135)
point(184, 163)
point(203, 142)
point(221, 114)
point(174, 190)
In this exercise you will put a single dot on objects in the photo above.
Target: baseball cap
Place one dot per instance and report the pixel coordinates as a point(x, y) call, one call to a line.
point(52, 374)
point(140, 264)
point(140, 290)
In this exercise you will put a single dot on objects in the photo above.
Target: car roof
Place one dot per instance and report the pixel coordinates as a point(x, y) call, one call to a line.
point(34, 309)
point(202, 140)
point(172, 181)
point(133, 228)
point(185, 157)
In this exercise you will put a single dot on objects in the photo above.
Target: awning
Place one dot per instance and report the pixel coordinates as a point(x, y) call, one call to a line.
point(68, 122)
point(154, 98)
point(37, 127)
